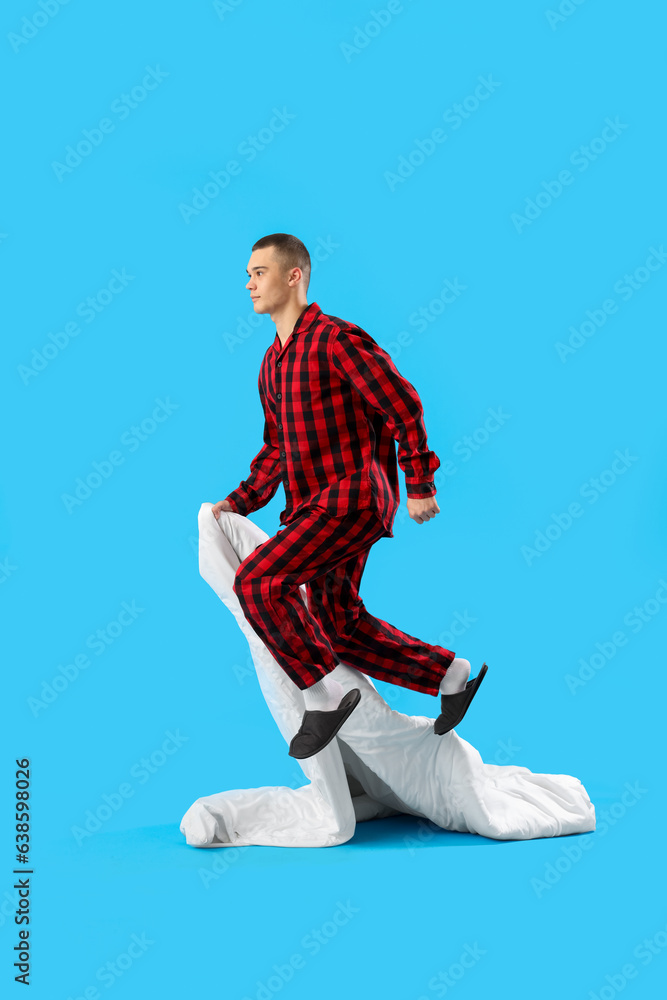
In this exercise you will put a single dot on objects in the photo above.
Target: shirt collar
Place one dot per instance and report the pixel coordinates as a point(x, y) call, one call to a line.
point(306, 319)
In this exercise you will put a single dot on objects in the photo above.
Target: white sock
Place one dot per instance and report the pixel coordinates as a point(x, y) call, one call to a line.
point(324, 695)
point(456, 677)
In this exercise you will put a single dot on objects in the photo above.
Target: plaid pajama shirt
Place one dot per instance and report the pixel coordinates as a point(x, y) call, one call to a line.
point(334, 405)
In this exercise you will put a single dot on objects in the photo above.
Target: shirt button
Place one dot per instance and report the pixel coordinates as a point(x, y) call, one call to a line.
point(280, 395)
point(280, 426)
point(279, 363)
point(282, 454)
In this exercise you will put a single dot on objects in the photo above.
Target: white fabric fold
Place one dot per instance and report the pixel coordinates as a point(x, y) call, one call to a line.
point(382, 762)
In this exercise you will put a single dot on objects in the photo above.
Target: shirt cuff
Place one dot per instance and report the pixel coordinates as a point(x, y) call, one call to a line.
point(237, 504)
point(418, 490)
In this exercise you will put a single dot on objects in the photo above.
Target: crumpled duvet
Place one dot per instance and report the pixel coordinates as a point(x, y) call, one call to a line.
point(381, 763)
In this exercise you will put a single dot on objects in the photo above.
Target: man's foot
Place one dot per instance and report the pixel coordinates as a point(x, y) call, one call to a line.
point(318, 728)
point(456, 675)
point(324, 695)
point(455, 706)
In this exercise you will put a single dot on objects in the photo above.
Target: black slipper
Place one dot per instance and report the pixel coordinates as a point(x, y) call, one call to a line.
point(455, 706)
point(319, 728)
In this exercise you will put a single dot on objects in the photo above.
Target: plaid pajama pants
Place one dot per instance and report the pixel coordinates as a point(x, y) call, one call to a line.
point(328, 553)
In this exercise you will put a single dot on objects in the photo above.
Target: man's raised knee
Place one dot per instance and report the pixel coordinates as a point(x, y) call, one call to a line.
point(245, 575)
point(240, 578)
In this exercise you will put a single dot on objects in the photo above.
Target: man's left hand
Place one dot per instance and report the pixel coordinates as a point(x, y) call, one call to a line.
point(422, 509)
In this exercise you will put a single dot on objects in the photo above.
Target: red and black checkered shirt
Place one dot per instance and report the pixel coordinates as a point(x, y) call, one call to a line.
point(334, 406)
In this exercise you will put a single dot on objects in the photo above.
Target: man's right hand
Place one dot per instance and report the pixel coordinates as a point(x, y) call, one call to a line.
point(220, 505)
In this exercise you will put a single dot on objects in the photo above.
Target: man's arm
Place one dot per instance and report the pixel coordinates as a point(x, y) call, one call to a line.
point(265, 470)
point(359, 359)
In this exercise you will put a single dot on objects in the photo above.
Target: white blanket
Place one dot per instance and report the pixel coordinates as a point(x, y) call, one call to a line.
point(381, 763)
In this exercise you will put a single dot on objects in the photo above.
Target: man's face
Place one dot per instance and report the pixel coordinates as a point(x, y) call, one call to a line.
point(267, 283)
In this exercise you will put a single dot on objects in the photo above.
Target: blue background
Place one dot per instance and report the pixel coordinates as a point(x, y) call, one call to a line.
point(358, 101)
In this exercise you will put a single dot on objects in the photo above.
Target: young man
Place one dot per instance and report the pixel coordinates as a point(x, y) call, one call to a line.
point(334, 405)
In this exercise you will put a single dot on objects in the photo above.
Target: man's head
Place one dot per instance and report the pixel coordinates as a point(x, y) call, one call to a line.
point(279, 272)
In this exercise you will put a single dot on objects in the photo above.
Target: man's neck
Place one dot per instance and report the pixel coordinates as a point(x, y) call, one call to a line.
point(285, 320)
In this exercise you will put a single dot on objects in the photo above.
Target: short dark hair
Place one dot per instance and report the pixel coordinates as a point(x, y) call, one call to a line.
point(289, 250)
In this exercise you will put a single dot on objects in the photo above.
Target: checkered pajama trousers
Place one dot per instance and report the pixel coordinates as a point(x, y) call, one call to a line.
point(328, 553)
